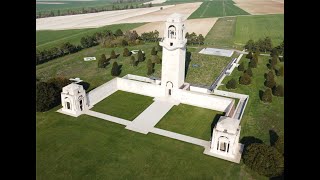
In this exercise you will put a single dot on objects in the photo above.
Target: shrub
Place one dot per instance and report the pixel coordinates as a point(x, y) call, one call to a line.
point(158, 48)
point(252, 64)
point(269, 75)
point(126, 52)
point(249, 55)
point(274, 60)
point(231, 84)
point(278, 91)
point(270, 83)
point(118, 32)
point(279, 145)
point(264, 159)
point(124, 42)
point(133, 61)
point(249, 72)
point(150, 67)
point(155, 59)
point(281, 59)
point(255, 58)
point(140, 56)
point(115, 71)
point(113, 55)
point(103, 61)
point(241, 67)
point(153, 51)
point(274, 52)
point(45, 96)
point(245, 79)
point(270, 66)
point(267, 96)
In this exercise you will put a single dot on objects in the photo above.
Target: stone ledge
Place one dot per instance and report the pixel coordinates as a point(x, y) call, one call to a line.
point(236, 159)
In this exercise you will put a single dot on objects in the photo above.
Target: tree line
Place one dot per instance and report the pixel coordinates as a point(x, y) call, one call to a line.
point(193, 39)
point(115, 6)
point(106, 38)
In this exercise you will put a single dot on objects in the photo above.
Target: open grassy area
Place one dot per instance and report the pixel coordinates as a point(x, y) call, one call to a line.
point(234, 32)
point(123, 105)
point(190, 120)
point(217, 8)
point(260, 26)
point(46, 38)
point(89, 148)
point(259, 117)
point(222, 33)
point(73, 65)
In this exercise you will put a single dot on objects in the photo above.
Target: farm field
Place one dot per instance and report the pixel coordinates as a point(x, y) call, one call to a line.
point(91, 148)
point(47, 38)
point(192, 24)
point(117, 105)
point(262, 6)
point(260, 26)
point(190, 120)
point(259, 117)
point(91, 20)
point(217, 8)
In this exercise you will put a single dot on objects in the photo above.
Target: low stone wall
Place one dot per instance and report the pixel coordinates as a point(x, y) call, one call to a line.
point(101, 92)
point(229, 94)
point(199, 89)
point(202, 100)
point(142, 88)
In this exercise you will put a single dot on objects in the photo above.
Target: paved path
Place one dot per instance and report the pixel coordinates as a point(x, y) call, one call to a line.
point(108, 118)
point(150, 116)
point(181, 137)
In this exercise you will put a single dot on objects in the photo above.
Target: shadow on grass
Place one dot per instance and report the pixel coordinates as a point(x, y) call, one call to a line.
point(247, 140)
point(260, 94)
point(188, 59)
point(85, 85)
point(273, 137)
point(215, 121)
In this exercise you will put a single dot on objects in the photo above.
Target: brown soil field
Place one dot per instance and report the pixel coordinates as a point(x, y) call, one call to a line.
point(261, 7)
point(199, 26)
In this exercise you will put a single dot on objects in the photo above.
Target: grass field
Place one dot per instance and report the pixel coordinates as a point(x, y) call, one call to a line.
point(117, 104)
point(217, 8)
point(46, 39)
point(259, 117)
point(222, 33)
point(89, 148)
point(234, 32)
point(190, 120)
point(255, 27)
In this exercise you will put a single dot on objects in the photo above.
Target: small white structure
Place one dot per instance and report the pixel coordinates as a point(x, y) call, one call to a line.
point(89, 58)
point(136, 51)
point(217, 52)
point(76, 80)
point(225, 139)
point(73, 100)
point(173, 54)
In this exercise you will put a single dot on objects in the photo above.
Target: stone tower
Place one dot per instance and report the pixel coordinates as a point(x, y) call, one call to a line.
point(173, 53)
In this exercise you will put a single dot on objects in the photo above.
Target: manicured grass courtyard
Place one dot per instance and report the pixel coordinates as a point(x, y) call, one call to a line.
point(89, 148)
point(123, 105)
point(259, 117)
point(217, 8)
point(190, 120)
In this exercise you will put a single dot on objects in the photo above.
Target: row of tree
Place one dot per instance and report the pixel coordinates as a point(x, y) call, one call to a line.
point(193, 38)
point(52, 13)
point(264, 45)
point(152, 36)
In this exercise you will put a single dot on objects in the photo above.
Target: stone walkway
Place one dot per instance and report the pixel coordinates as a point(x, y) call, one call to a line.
point(150, 117)
point(107, 117)
point(181, 137)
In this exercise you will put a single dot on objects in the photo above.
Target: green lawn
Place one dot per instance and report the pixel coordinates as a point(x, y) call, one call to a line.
point(123, 105)
point(259, 117)
point(222, 33)
point(217, 8)
point(190, 120)
point(260, 26)
point(234, 32)
point(89, 148)
point(73, 65)
point(48, 38)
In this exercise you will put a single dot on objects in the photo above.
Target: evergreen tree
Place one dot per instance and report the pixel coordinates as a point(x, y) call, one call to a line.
point(150, 66)
point(274, 60)
point(118, 33)
point(252, 64)
point(140, 56)
point(281, 71)
point(268, 43)
point(249, 55)
point(249, 72)
point(245, 79)
point(158, 48)
point(126, 52)
point(278, 91)
point(155, 59)
point(231, 84)
point(115, 71)
point(270, 83)
point(241, 67)
point(113, 55)
point(133, 61)
point(279, 145)
point(153, 51)
point(200, 39)
point(250, 45)
point(264, 159)
point(102, 62)
point(269, 75)
point(45, 96)
point(267, 95)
